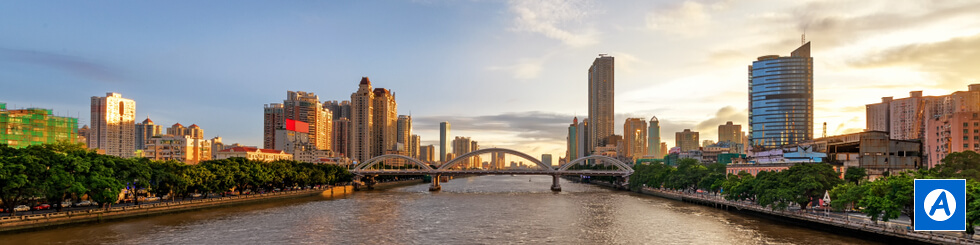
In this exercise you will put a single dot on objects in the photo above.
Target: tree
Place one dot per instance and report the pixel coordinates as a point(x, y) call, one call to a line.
point(964, 164)
point(855, 174)
point(15, 179)
point(770, 190)
point(845, 196)
point(972, 205)
point(809, 181)
point(891, 196)
point(738, 187)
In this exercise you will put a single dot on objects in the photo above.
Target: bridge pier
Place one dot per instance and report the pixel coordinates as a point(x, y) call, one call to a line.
point(554, 183)
point(436, 178)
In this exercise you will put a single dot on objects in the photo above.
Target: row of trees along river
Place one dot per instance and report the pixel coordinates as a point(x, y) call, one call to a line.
point(64, 171)
point(882, 199)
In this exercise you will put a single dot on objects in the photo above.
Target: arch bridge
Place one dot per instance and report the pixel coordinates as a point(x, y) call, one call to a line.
point(364, 173)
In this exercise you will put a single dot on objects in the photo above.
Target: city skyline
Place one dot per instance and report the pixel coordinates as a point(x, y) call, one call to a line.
point(217, 71)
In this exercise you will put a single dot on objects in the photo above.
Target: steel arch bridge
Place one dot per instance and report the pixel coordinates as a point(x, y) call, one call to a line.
point(364, 173)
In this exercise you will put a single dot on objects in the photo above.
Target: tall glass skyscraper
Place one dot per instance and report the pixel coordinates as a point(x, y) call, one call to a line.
point(781, 99)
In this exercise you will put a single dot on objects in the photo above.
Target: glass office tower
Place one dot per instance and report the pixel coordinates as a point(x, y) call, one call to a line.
point(781, 99)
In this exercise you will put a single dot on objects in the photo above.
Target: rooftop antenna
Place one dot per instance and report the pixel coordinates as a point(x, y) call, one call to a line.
point(803, 37)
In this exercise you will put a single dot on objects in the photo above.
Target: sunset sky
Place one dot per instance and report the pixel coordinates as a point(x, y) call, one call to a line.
point(506, 73)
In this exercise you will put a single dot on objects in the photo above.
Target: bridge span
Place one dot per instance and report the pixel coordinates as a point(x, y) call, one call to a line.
point(363, 172)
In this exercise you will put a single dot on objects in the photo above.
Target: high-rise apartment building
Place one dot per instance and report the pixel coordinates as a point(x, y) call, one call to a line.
point(663, 149)
point(730, 132)
point(144, 131)
point(443, 141)
point(497, 160)
point(194, 131)
point(113, 125)
point(427, 153)
point(546, 159)
point(601, 101)
point(338, 109)
point(403, 134)
point(341, 137)
point(634, 138)
point(374, 116)
point(653, 138)
point(944, 124)
point(463, 145)
point(781, 99)
point(304, 107)
point(687, 140)
point(413, 146)
point(33, 126)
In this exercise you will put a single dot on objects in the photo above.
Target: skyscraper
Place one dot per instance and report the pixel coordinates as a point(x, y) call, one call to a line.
point(404, 135)
point(687, 140)
point(634, 138)
point(144, 131)
point(413, 146)
point(374, 115)
point(443, 141)
point(462, 145)
point(571, 144)
point(427, 153)
point(601, 101)
point(113, 125)
point(338, 109)
point(730, 132)
point(341, 136)
point(653, 138)
point(781, 99)
point(304, 107)
point(546, 159)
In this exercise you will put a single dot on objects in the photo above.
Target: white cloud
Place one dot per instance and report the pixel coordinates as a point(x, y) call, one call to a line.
point(524, 69)
point(555, 19)
point(689, 19)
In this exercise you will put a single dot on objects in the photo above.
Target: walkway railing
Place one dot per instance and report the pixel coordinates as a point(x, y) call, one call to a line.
point(884, 228)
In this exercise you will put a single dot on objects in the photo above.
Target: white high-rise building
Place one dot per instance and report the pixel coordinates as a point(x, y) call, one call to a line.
point(113, 125)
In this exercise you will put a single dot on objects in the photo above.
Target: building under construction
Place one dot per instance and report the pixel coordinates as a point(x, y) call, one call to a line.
point(34, 126)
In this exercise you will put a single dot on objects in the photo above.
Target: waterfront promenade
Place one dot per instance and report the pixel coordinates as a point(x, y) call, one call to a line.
point(37, 221)
point(902, 231)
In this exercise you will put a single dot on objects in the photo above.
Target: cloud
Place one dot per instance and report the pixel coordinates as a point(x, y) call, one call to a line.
point(955, 61)
point(689, 18)
point(553, 19)
point(78, 66)
point(524, 69)
point(529, 125)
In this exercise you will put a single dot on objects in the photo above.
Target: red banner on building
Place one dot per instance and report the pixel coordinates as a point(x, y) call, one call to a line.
point(297, 126)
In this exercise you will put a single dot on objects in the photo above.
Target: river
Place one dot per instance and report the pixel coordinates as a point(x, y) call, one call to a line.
point(476, 210)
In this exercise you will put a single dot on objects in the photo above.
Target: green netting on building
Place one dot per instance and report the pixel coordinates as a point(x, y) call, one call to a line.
point(22, 128)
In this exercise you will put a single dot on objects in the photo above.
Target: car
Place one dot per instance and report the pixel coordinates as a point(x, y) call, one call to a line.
point(42, 207)
point(66, 204)
point(276, 189)
point(196, 195)
point(85, 203)
point(22, 208)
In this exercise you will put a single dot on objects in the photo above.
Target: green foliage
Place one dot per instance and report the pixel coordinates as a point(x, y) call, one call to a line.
point(64, 170)
point(807, 182)
point(845, 196)
point(888, 197)
point(960, 165)
point(855, 174)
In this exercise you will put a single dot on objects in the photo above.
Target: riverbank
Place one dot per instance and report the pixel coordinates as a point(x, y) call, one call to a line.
point(49, 220)
point(858, 228)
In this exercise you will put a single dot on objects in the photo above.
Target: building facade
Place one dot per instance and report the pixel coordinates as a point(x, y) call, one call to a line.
point(444, 141)
point(463, 145)
point(341, 137)
point(634, 138)
point(183, 148)
point(22, 128)
point(427, 153)
point(113, 123)
point(687, 140)
point(144, 131)
point(403, 134)
point(653, 139)
point(304, 107)
point(374, 115)
point(602, 92)
point(781, 99)
point(730, 132)
point(255, 154)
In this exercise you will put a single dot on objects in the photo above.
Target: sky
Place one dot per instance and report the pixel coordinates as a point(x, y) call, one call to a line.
point(508, 74)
